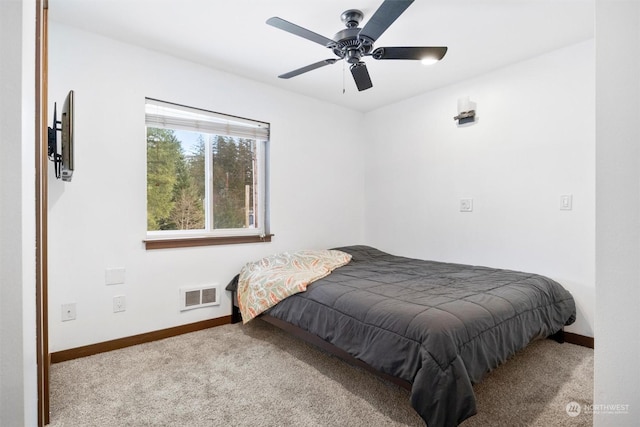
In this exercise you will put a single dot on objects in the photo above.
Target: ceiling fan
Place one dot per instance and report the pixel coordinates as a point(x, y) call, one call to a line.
point(354, 43)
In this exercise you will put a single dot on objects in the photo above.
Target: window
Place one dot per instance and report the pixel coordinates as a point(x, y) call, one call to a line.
point(206, 177)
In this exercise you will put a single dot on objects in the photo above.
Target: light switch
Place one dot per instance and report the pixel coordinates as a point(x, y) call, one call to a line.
point(566, 202)
point(466, 205)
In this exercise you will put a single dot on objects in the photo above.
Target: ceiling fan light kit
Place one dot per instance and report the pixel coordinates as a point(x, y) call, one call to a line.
point(353, 43)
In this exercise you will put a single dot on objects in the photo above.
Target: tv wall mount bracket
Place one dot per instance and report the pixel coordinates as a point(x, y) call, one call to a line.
point(52, 143)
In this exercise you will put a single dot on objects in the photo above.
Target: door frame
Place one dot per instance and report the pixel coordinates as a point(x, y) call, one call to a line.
point(41, 206)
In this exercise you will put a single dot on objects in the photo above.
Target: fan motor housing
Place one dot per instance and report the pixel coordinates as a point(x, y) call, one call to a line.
point(349, 46)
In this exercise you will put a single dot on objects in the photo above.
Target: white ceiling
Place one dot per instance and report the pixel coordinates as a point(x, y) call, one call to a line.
point(231, 35)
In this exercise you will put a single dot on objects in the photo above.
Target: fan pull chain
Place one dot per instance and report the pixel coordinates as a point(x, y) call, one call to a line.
point(343, 73)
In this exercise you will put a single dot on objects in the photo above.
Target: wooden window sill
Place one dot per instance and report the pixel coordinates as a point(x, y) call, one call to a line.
point(187, 242)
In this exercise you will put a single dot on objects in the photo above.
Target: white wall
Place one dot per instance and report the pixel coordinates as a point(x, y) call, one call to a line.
point(18, 377)
point(534, 141)
point(98, 221)
point(617, 373)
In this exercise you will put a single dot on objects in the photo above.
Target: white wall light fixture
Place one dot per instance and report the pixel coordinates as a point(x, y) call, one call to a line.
point(466, 111)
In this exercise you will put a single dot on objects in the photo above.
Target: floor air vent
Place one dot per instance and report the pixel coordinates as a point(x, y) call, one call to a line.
point(199, 296)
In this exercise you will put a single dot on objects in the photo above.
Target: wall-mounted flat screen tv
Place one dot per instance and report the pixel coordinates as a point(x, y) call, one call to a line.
point(62, 155)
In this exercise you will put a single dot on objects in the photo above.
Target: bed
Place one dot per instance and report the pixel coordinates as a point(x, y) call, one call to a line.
point(436, 328)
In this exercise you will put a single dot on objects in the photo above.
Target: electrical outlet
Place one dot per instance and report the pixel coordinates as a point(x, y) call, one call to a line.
point(69, 311)
point(119, 304)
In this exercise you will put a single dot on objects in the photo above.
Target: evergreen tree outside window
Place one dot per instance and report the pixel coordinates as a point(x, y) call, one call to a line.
point(206, 173)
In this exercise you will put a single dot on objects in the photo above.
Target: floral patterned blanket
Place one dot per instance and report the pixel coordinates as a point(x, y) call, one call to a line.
point(264, 283)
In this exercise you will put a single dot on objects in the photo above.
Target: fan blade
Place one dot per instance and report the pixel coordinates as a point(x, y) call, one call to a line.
point(361, 76)
point(386, 14)
point(435, 53)
point(307, 68)
point(299, 31)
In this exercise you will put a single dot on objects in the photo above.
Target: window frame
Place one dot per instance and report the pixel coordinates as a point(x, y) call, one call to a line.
point(163, 239)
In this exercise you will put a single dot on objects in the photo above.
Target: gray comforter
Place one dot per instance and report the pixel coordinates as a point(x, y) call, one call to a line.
point(440, 326)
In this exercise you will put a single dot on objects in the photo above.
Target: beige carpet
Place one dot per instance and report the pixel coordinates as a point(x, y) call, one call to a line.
point(256, 375)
